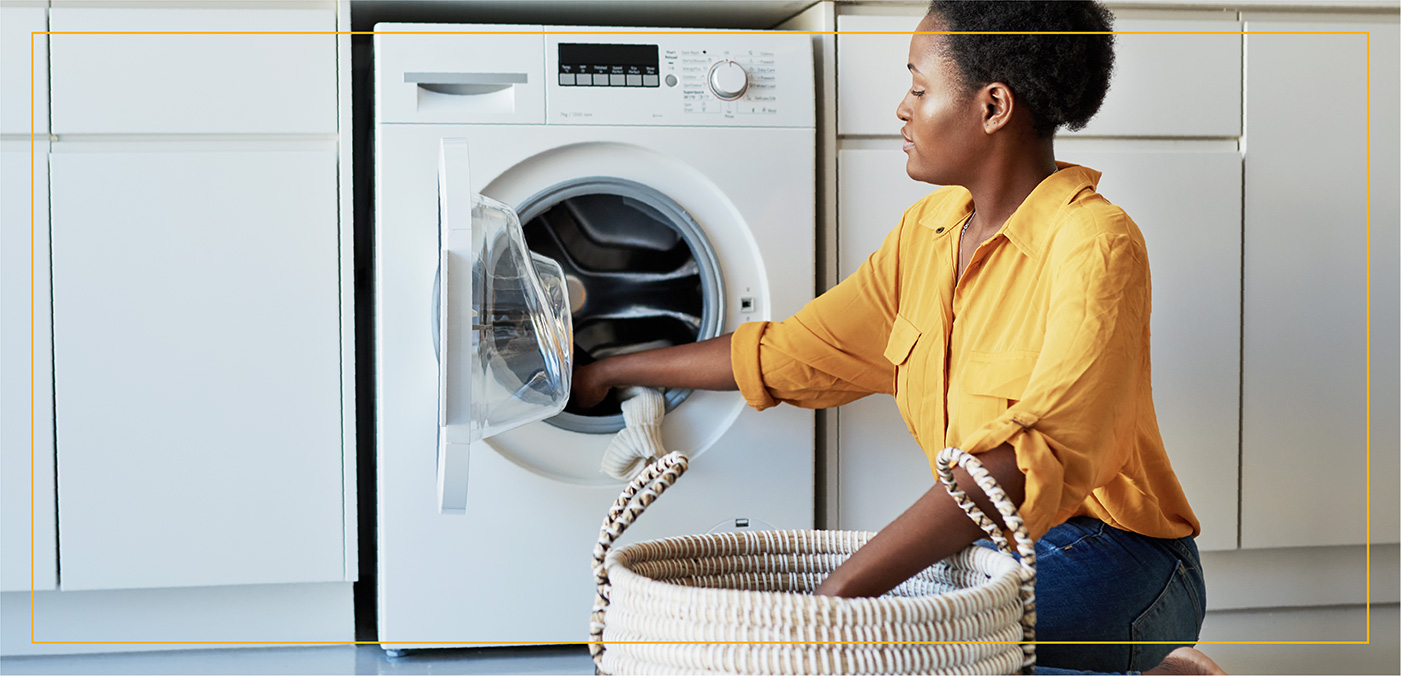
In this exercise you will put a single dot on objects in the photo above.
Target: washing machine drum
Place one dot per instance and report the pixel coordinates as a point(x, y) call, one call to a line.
point(640, 275)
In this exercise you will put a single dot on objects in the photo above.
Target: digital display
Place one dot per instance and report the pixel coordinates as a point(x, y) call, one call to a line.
point(600, 65)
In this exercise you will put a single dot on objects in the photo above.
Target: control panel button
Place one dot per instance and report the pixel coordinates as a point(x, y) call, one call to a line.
point(728, 80)
point(670, 80)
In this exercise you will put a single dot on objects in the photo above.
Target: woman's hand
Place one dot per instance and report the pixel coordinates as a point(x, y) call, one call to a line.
point(692, 366)
point(932, 529)
point(588, 387)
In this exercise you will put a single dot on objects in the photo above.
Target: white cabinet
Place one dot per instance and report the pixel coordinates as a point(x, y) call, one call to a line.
point(193, 365)
point(253, 83)
point(1175, 166)
point(199, 373)
point(1321, 278)
point(197, 364)
point(26, 384)
point(1266, 188)
point(1164, 85)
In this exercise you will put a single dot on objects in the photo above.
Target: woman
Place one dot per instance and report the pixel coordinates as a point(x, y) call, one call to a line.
point(1008, 314)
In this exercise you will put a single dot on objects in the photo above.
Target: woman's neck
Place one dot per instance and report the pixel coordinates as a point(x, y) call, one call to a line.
point(1005, 181)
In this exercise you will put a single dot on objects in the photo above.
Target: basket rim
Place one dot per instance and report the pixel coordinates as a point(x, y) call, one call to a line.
point(1005, 570)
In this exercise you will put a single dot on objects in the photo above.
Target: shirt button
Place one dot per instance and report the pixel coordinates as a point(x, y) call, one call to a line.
point(938, 230)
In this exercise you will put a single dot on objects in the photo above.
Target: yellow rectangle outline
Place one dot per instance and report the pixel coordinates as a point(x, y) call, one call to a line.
point(1368, 328)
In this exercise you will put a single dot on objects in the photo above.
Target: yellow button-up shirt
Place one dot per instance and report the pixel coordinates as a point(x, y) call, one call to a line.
point(1042, 344)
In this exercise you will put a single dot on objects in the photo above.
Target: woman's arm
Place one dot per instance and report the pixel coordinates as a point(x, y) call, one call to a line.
point(703, 365)
point(933, 529)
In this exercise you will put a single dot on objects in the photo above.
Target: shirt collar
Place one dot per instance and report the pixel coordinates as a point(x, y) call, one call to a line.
point(1025, 229)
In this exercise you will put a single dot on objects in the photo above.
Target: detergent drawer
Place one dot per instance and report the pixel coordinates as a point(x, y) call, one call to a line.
point(430, 73)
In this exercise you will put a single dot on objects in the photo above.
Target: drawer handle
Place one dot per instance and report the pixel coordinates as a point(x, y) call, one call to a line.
point(465, 84)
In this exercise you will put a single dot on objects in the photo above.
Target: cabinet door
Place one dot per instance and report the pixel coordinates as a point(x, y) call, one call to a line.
point(26, 383)
point(1321, 284)
point(194, 84)
point(24, 70)
point(1163, 85)
point(1185, 197)
point(882, 471)
point(197, 364)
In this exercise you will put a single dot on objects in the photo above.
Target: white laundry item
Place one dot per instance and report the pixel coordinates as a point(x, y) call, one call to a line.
point(640, 440)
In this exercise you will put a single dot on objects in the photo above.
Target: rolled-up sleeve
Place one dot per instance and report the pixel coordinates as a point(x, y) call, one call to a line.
point(1074, 426)
point(830, 352)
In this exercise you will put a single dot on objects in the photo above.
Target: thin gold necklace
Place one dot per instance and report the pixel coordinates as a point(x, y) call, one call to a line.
point(962, 234)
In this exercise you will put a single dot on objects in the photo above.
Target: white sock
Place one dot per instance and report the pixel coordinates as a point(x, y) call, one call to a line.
point(640, 440)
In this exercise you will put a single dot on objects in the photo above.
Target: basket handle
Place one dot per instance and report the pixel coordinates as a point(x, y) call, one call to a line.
point(639, 493)
point(1026, 548)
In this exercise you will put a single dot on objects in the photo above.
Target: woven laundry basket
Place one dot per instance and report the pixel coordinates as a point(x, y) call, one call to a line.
point(741, 603)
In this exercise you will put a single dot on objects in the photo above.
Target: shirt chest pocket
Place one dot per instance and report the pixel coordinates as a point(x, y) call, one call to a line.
point(898, 349)
point(992, 382)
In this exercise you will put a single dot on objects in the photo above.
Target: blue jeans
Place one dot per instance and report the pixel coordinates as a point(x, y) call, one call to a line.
point(1098, 583)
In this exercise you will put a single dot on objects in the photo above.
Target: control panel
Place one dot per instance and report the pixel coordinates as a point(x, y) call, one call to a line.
point(667, 77)
point(604, 65)
point(745, 79)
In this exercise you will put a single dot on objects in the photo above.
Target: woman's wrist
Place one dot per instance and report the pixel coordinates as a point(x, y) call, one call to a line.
point(604, 373)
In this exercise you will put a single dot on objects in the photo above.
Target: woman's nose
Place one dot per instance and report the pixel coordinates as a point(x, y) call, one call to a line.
point(902, 111)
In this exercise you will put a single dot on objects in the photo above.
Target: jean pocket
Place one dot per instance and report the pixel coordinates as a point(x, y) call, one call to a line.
point(1175, 615)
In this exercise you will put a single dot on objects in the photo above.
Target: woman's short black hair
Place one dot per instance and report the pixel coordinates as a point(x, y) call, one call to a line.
point(1061, 79)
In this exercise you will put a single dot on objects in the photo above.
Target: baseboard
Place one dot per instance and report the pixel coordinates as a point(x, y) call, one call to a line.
point(170, 619)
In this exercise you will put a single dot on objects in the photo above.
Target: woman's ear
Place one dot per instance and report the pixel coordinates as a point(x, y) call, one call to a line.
point(996, 103)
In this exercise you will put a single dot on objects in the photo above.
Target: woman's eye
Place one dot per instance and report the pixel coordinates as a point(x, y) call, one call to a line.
point(917, 92)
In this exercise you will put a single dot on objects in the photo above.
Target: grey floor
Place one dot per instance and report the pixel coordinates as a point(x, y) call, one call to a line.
point(359, 659)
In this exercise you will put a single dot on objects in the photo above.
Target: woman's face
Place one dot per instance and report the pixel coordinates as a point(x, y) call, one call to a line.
point(942, 125)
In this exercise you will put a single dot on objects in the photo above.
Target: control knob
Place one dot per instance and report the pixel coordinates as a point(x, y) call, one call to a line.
point(728, 80)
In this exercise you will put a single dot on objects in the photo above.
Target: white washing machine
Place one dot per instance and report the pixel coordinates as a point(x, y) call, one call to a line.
point(671, 174)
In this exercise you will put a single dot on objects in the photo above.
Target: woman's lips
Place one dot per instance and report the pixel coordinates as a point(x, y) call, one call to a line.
point(908, 144)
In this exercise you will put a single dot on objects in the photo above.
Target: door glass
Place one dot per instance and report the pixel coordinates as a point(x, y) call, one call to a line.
point(503, 328)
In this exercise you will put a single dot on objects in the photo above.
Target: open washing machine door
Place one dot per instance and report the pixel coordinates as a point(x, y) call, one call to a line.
point(504, 334)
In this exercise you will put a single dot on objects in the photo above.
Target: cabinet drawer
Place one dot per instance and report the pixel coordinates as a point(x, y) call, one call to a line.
point(1172, 85)
point(197, 364)
point(1164, 85)
point(17, 24)
point(872, 75)
point(193, 84)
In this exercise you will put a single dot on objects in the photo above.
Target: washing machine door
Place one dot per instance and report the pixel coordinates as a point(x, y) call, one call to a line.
point(504, 332)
